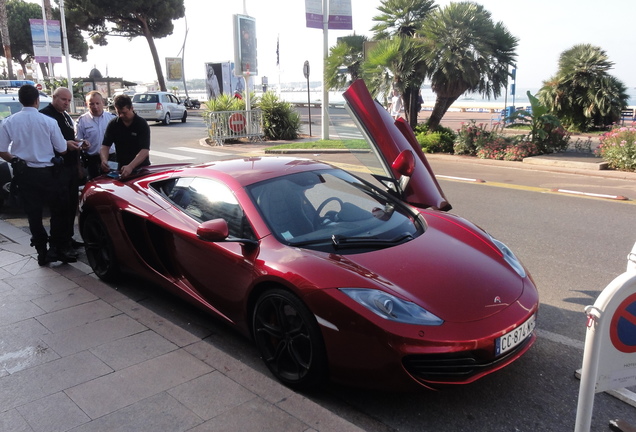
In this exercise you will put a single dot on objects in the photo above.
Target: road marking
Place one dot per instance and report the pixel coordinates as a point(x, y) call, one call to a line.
point(615, 197)
point(461, 179)
point(620, 199)
point(199, 151)
point(170, 155)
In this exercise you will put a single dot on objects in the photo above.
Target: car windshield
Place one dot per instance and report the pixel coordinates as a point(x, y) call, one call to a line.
point(333, 210)
point(145, 98)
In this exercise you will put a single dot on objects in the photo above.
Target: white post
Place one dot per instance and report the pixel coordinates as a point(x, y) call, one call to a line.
point(325, 91)
point(631, 260)
point(68, 66)
point(589, 371)
point(46, 41)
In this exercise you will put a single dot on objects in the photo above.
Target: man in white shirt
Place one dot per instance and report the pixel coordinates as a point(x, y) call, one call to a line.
point(29, 140)
point(396, 104)
point(90, 128)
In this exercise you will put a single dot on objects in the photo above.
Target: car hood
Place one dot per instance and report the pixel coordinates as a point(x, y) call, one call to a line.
point(453, 270)
point(388, 138)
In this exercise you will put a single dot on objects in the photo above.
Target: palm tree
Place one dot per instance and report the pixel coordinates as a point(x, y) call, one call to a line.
point(397, 63)
point(344, 63)
point(401, 17)
point(468, 52)
point(402, 59)
point(582, 93)
point(4, 34)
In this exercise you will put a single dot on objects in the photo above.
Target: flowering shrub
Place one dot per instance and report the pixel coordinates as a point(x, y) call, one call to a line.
point(521, 150)
point(618, 148)
point(502, 149)
point(472, 137)
point(552, 138)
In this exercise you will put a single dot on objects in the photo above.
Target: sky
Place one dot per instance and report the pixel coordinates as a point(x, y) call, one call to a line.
point(545, 28)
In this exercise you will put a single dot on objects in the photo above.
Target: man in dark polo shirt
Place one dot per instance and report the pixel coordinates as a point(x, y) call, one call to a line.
point(131, 136)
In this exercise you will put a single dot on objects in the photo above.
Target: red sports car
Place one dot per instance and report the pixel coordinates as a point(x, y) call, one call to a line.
point(364, 282)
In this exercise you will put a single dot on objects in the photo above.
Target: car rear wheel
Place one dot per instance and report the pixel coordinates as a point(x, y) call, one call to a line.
point(185, 115)
point(166, 119)
point(99, 249)
point(289, 339)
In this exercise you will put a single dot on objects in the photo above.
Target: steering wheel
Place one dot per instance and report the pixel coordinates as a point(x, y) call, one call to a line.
point(319, 220)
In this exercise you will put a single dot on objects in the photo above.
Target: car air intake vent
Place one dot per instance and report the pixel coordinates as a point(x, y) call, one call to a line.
point(453, 367)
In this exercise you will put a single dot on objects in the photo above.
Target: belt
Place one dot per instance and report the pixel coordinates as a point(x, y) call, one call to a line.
point(40, 168)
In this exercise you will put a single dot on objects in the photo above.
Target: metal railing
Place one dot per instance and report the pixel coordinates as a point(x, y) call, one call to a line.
point(230, 125)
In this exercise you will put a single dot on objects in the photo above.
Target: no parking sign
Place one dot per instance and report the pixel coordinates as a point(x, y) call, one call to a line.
point(609, 360)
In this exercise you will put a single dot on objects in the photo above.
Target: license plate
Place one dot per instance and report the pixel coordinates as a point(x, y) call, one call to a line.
point(515, 337)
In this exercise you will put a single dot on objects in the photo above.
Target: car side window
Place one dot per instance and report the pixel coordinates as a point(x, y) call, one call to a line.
point(206, 199)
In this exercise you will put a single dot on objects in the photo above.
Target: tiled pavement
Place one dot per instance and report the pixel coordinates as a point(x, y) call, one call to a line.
point(79, 355)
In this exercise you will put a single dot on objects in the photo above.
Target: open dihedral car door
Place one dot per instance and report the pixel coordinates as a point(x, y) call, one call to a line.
point(387, 139)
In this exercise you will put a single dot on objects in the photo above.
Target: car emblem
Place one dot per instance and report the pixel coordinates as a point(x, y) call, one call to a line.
point(497, 300)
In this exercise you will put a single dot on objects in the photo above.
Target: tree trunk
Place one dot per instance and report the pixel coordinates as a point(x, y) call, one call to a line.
point(407, 96)
point(155, 56)
point(442, 103)
point(6, 40)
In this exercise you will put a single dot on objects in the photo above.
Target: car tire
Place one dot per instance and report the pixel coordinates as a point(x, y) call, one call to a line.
point(166, 119)
point(99, 249)
point(185, 115)
point(289, 340)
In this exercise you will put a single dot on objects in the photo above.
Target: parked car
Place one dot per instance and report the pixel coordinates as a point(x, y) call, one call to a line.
point(368, 282)
point(9, 104)
point(159, 106)
point(189, 102)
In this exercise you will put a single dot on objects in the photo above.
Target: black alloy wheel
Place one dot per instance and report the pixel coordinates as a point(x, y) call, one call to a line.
point(289, 339)
point(99, 249)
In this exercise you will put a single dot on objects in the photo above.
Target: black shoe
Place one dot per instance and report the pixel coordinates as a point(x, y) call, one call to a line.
point(56, 254)
point(77, 244)
point(42, 255)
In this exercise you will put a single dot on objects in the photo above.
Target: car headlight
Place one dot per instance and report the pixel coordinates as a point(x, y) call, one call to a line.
point(392, 308)
point(509, 257)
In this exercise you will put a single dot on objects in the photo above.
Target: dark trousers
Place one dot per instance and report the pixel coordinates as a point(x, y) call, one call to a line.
point(69, 176)
point(93, 164)
point(40, 188)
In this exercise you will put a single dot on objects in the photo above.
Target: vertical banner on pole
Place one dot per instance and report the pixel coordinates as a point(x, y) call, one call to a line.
point(174, 68)
point(245, 58)
point(40, 49)
point(339, 14)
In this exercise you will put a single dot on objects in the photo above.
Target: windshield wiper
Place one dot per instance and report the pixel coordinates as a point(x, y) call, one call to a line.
point(310, 242)
point(340, 242)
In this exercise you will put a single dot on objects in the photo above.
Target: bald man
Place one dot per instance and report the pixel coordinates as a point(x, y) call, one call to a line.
point(69, 172)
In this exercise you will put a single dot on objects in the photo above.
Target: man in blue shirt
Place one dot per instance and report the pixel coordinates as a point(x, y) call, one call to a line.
point(91, 127)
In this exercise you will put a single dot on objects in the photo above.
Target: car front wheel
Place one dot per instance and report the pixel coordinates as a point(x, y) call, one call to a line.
point(185, 115)
point(99, 249)
point(289, 339)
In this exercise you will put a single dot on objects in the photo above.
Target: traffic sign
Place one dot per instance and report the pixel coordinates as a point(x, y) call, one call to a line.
point(306, 69)
point(237, 122)
point(623, 326)
point(38, 86)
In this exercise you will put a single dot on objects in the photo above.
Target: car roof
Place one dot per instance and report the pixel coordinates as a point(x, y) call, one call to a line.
point(246, 171)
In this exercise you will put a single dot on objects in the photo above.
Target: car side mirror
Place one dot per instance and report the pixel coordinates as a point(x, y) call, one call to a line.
point(213, 230)
point(404, 164)
point(217, 230)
